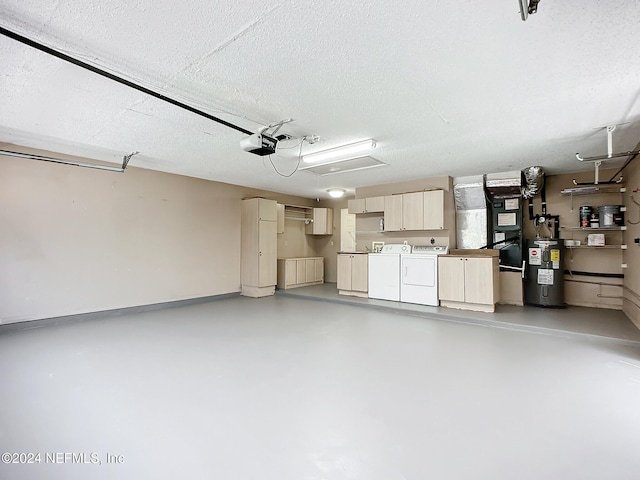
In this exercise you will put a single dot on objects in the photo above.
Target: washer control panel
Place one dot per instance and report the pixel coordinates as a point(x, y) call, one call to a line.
point(431, 249)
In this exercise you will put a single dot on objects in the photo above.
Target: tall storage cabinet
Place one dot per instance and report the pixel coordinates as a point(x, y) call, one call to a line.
point(259, 247)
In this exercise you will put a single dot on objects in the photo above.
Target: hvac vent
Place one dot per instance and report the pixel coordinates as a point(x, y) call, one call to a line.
point(344, 166)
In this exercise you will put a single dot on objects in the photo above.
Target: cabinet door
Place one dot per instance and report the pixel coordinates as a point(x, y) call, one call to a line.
point(451, 278)
point(310, 270)
point(347, 231)
point(280, 213)
point(413, 211)
point(318, 268)
point(325, 216)
point(478, 280)
point(360, 273)
point(268, 210)
point(290, 272)
point(301, 270)
point(393, 213)
point(319, 221)
point(356, 205)
point(322, 222)
point(344, 272)
point(374, 204)
point(434, 210)
point(267, 254)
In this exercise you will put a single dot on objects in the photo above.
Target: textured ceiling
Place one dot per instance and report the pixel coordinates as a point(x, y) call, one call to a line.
point(446, 88)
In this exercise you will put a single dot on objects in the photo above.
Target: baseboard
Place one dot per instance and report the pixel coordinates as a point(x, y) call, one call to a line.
point(28, 324)
point(632, 310)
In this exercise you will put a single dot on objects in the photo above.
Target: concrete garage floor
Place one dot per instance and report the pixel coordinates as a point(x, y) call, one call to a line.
point(290, 388)
point(594, 323)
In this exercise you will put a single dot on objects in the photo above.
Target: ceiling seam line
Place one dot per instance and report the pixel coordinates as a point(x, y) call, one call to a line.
point(115, 78)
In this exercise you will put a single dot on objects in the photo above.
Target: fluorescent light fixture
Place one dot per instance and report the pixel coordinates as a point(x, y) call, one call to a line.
point(343, 152)
point(336, 192)
point(342, 166)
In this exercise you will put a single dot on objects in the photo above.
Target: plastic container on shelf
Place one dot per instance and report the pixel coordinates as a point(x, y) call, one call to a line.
point(610, 215)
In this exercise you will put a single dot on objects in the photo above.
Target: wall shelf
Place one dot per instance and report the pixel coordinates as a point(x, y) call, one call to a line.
point(592, 190)
point(595, 229)
point(605, 247)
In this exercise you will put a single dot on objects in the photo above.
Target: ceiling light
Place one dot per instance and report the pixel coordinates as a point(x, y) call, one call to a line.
point(336, 192)
point(343, 152)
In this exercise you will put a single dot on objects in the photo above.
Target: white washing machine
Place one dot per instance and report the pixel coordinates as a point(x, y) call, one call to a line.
point(384, 272)
point(419, 274)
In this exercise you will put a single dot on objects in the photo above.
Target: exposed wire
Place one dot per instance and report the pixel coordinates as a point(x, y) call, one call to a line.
point(306, 138)
point(297, 164)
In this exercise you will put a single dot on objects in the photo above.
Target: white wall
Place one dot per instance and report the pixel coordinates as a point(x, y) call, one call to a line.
point(76, 240)
point(631, 304)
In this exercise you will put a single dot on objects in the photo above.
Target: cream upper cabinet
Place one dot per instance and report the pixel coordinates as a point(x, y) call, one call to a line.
point(356, 205)
point(366, 205)
point(322, 223)
point(374, 204)
point(258, 268)
point(267, 209)
point(414, 211)
point(393, 213)
point(433, 210)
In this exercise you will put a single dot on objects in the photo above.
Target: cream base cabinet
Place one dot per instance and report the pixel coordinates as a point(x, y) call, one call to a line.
point(469, 283)
point(300, 272)
point(353, 274)
point(259, 245)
